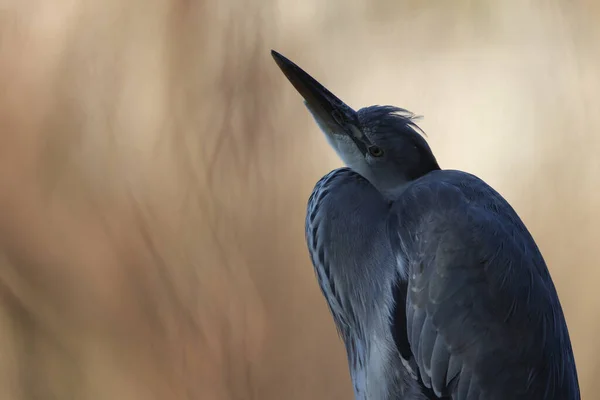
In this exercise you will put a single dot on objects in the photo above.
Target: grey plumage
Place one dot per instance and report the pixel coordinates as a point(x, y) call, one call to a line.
point(435, 285)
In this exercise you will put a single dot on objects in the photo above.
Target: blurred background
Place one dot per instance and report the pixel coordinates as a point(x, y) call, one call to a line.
point(155, 166)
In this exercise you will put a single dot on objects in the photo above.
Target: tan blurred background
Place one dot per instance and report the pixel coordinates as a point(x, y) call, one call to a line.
point(155, 165)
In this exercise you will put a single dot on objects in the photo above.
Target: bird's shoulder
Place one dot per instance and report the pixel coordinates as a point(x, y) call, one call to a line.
point(339, 182)
point(337, 177)
point(450, 189)
point(482, 314)
point(344, 200)
point(458, 208)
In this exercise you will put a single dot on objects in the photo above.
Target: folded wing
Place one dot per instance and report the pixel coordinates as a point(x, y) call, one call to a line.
point(482, 317)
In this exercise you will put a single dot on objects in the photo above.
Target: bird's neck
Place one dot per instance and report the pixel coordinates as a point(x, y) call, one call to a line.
point(393, 193)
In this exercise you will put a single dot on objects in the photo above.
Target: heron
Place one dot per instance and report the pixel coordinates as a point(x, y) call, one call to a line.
point(435, 285)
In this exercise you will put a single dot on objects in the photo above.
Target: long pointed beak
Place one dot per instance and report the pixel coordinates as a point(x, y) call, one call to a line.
point(322, 103)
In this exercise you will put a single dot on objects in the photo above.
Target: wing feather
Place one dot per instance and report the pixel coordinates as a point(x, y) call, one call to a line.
point(482, 313)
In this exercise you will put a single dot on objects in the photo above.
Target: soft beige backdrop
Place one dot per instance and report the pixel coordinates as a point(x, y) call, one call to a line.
point(155, 165)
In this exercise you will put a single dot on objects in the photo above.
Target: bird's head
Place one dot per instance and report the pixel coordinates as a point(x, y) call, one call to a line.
point(381, 143)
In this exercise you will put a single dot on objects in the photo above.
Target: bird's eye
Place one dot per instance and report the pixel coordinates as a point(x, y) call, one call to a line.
point(375, 151)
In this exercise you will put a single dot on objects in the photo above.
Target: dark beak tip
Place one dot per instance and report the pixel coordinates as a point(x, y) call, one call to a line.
point(277, 56)
point(281, 60)
point(315, 95)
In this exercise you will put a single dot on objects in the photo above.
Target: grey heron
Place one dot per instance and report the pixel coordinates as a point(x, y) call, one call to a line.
point(435, 285)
